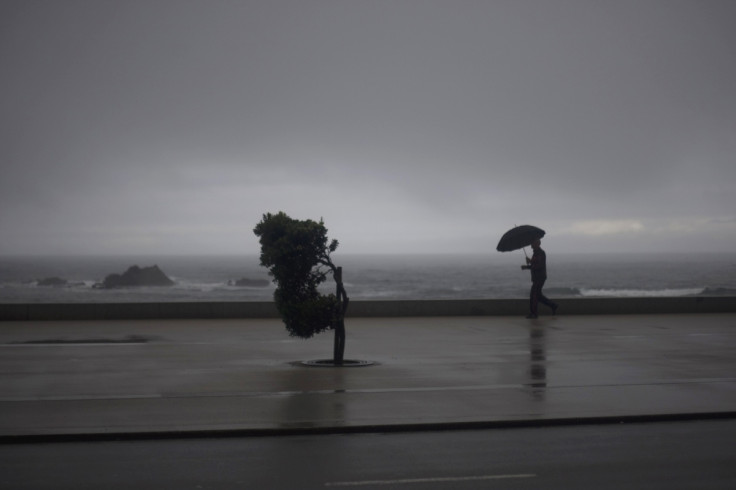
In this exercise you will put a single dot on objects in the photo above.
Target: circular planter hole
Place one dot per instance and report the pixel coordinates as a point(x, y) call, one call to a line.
point(331, 363)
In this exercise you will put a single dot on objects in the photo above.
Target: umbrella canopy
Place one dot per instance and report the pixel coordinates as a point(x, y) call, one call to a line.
point(519, 237)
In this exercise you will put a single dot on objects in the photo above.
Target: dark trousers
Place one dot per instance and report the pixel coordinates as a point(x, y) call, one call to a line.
point(536, 297)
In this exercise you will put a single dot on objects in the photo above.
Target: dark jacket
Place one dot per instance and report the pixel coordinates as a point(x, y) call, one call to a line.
point(538, 266)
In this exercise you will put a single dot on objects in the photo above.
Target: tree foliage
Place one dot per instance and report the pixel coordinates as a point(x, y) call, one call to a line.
point(297, 255)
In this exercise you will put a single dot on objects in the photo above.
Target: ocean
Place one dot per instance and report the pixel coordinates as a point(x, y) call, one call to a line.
point(375, 277)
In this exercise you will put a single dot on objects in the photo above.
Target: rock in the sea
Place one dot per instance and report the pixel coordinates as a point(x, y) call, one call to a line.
point(55, 282)
point(250, 283)
point(137, 276)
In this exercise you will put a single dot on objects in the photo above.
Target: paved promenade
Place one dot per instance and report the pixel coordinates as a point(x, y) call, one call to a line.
point(187, 377)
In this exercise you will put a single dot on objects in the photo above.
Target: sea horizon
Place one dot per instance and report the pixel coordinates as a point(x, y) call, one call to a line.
point(373, 276)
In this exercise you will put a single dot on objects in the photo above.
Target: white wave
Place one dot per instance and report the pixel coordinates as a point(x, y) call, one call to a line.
point(204, 287)
point(640, 293)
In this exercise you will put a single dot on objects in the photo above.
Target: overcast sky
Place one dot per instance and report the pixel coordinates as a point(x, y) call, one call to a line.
point(171, 126)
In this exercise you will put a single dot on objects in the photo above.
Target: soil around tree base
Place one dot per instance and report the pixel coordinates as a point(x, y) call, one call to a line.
point(331, 363)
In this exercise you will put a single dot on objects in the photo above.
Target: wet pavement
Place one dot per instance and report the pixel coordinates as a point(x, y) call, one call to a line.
point(90, 379)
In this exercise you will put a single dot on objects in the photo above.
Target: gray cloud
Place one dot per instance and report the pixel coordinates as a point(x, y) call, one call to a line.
point(414, 125)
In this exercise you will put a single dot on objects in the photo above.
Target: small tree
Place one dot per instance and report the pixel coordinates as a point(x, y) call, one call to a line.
point(297, 256)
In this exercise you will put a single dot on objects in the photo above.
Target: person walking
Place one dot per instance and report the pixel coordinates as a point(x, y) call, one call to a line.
point(538, 266)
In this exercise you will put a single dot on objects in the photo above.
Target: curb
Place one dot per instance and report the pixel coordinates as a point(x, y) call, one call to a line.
point(363, 429)
point(223, 310)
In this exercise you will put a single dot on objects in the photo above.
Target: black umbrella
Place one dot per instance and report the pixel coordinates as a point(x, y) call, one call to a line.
point(519, 237)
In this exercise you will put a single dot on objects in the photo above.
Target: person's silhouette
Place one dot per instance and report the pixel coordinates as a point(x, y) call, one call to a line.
point(538, 265)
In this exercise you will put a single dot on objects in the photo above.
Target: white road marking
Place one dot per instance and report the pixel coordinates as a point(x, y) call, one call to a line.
point(427, 480)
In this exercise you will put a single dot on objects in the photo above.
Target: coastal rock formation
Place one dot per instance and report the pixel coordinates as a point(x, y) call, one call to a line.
point(250, 283)
point(137, 276)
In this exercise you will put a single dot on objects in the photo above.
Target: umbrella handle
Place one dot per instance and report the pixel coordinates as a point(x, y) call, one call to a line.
point(523, 248)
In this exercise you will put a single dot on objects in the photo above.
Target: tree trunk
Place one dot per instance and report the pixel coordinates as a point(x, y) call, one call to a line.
point(341, 308)
point(339, 350)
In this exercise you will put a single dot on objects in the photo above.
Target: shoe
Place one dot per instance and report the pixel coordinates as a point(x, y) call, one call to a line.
point(531, 316)
point(554, 308)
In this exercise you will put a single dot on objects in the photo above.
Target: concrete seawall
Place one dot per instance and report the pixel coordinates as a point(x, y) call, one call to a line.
point(490, 307)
